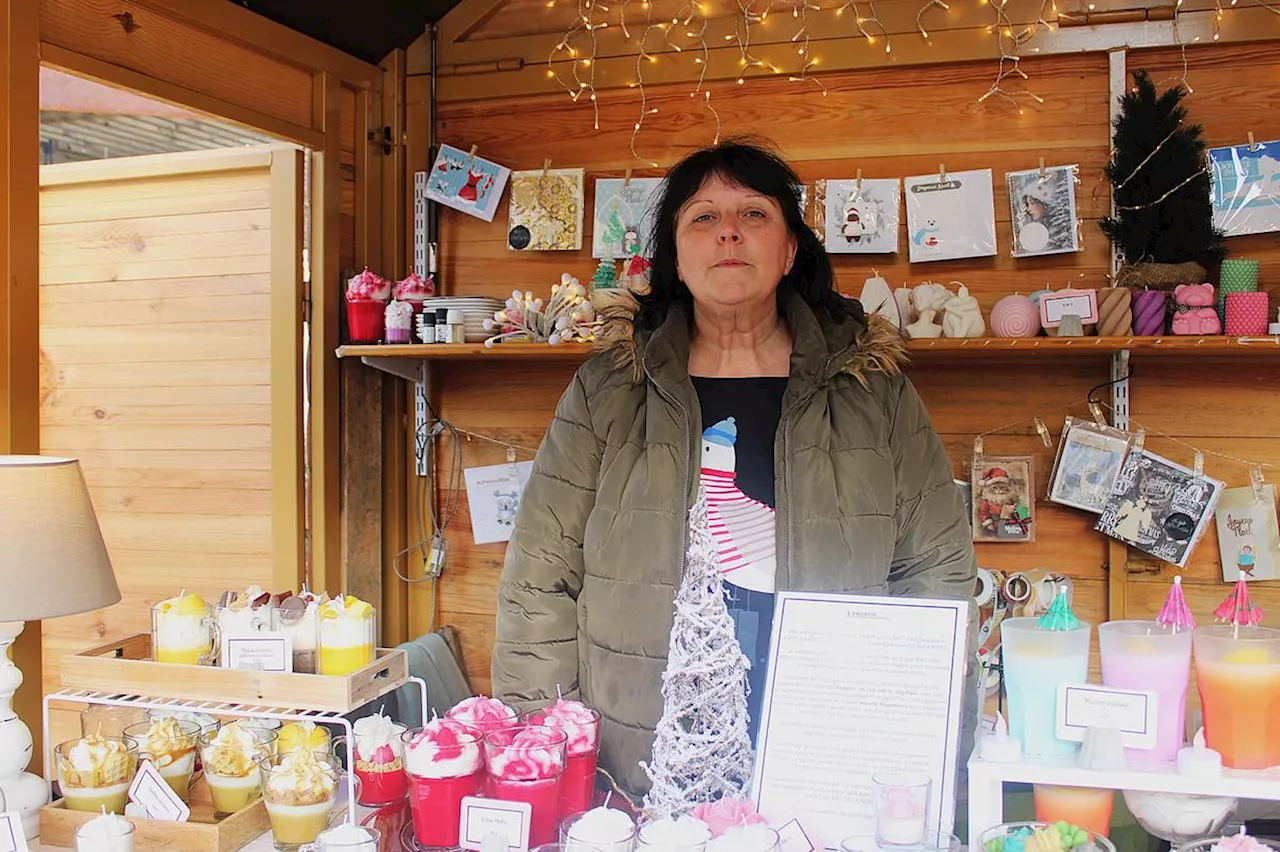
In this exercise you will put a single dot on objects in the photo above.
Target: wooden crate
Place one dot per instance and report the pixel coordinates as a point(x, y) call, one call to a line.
point(125, 666)
point(201, 833)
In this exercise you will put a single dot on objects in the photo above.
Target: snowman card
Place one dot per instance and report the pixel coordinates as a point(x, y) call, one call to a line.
point(950, 215)
point(465, 182)
point(858, 216)
point(1043, 210)
point(623, 217)
point(1159, 507)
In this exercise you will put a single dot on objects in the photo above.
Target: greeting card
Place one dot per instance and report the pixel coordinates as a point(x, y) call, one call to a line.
point(493, 498)
point(1249, 534)
point(1003, 499)
point(950, 215)
point(546, 210)
point(623, 217)
point(1245, 183)
point(1043, 208)
point(466, 182)
point(1089, 460)
point(858, 216)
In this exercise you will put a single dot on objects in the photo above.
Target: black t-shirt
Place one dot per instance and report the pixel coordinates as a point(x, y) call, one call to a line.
point(740, 422)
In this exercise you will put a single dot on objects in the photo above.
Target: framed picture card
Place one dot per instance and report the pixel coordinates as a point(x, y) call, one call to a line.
point(951, 215)
point(1088, 464)
point(858, 216)
point(1003, 499)
point(1159, 507)
point(1043, 210)
point(466, 182)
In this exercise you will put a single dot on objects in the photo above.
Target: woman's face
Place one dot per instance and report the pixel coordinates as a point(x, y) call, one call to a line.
point(732, 245)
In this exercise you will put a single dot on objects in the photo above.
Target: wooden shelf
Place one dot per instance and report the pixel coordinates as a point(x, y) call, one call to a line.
point(407, 359)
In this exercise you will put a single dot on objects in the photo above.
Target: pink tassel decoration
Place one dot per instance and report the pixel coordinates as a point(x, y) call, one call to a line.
point(1238, 609)
point(1175, 613)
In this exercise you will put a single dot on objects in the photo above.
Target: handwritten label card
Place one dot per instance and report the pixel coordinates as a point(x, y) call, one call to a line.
point(1083, 706)
point(12, 837)
point(150, 790)
point(482, 817)
point(265, 652)
point(858, 684)
point(791, 838)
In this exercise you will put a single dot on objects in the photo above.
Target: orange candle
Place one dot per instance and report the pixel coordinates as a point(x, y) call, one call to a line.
point(1238, 673)
point(1086, 807)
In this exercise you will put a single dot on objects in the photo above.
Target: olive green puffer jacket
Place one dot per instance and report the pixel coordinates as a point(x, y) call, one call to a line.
point(864, 494)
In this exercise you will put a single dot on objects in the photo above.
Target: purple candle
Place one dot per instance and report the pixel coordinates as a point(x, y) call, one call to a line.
point(1149, 312)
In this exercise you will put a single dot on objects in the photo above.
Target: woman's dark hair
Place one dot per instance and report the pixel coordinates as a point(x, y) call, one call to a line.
point(752, 165)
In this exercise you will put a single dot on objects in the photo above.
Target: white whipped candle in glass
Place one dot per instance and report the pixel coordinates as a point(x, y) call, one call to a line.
point(599, 830)
point(745, 838)
point(685, 834)
point(348, 838)
point(105, 833)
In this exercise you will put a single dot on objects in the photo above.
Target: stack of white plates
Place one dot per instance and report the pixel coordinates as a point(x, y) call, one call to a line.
point(475, 310)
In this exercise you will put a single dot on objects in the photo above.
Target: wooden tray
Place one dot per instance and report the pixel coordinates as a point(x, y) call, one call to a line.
point(125, 666)
point(201, 833)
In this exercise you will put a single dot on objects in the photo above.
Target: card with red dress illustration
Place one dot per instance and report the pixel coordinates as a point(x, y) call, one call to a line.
point(466, 182)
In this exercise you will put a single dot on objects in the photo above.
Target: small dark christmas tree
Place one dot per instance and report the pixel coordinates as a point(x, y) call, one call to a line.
point(1161, 185)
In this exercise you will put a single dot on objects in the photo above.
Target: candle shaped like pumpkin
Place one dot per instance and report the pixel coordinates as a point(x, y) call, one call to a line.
point(1149, 312)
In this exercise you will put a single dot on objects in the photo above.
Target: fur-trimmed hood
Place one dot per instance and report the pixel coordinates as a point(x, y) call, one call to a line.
point(851, 346)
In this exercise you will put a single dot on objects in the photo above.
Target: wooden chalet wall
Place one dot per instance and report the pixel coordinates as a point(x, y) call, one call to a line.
point(889, 122)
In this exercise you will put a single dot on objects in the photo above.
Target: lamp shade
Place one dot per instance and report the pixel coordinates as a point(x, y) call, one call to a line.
point(52, 558)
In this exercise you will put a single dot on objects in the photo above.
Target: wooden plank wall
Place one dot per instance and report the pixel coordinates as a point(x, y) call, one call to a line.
point(889, 123)
point(155, 361)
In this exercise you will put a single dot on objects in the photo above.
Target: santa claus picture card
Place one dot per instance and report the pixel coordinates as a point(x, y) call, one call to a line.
point(1159, 507)
point(1003, 499)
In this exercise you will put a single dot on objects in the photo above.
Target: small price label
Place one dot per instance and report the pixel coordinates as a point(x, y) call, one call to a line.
point(482, 817)
point(792, 838)
point(150, 790)
point(12, 837)
point(264, 652)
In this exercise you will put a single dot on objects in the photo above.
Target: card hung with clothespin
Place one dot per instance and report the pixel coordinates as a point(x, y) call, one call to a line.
point(493, 497)
point(1043, 208)
point(546, 210)
point(1249, 532)
point(1088, 463)
point(950, 215)
point(1243, 192)
point(1159, 506)
point(466, 181)
point(623, 217)
point(1003, 498)
point(859, 216)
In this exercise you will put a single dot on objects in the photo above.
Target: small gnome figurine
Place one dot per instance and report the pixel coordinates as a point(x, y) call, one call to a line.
point(963, 317)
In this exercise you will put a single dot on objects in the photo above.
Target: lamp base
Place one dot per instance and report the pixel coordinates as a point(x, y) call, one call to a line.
point(26, 794)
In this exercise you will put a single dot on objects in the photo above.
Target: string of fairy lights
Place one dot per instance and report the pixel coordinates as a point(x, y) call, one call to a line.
point(685, 33)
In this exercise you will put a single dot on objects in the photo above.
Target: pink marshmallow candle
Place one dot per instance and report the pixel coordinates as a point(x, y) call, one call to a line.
point(581, 725)
point(483, 713)
point(524, 764)
point(368, 287)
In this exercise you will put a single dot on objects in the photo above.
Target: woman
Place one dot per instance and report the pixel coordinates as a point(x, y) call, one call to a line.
point(744, 371)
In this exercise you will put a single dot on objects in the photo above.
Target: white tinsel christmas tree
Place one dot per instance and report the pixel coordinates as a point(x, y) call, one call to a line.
point(701, 749)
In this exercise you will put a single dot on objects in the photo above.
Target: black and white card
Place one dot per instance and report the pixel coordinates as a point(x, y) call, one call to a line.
point(1159, 507)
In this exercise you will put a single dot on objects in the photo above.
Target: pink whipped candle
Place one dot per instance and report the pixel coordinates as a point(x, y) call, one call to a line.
point(379, 759)
point(483, 714)
point(524, 764)
point(443, 763)
point(415, 290)
point(582, 726)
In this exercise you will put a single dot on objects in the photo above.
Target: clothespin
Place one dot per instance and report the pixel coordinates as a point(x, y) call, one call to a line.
point(626, 178)
point(471, 156)
point(859, 178)
point(1096, 410)
point(1139, 441)
point(1043, 430)
point(977, 452)
point(1255, 479)
point(942, 173)
point(1042, 172)
point(546, 166)
point(1253, 146)
point(1198, 465)
point(511, 460)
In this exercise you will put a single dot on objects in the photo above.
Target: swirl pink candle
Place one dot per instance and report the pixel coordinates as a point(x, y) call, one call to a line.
point(582, 726)
point(524, 764)
point(443, 763)
point(483, 713)
point(1149, 312)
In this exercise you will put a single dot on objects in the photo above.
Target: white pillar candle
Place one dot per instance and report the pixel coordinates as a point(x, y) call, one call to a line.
point(105, 833)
